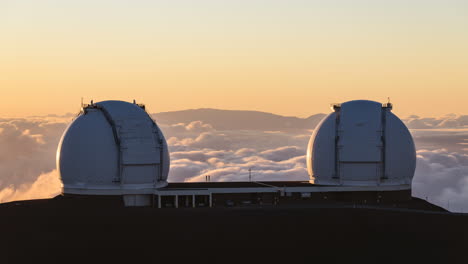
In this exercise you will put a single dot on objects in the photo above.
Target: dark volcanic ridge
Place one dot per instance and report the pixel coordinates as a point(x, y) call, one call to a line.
point(238, 119)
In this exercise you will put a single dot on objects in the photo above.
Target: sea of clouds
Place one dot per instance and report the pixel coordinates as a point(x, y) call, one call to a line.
point(28, 150)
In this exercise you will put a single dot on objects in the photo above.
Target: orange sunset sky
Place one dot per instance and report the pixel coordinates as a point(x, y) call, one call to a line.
point(286, 57)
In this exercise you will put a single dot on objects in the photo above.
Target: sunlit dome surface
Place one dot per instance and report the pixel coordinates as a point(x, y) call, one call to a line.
point(361, 143)
point(113, 148)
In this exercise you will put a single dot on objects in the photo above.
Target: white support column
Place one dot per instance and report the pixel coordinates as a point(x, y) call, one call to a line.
point(159, 201)
point(211, 200)
point(193, 201)
point(176, 201)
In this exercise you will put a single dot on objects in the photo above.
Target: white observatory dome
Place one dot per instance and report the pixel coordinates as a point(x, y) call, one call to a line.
point(113, 148)
point(362, 143)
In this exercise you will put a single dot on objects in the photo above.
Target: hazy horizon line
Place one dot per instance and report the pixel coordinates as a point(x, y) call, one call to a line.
point(70, 114)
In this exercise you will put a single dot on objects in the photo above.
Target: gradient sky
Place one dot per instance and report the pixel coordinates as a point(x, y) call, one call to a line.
point(288, 57)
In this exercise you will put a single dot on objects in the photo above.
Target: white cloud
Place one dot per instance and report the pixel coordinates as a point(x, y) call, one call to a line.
point(234, 165)
point(442, 177)
point(183, 169)
point(28, 149)
point(47, 185)
point(198, 126)
point(282, 153)
point(433, 139)
point(447, 121)
point(236, 139)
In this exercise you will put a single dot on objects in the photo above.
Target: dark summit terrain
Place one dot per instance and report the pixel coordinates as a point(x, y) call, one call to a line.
point(100, 230)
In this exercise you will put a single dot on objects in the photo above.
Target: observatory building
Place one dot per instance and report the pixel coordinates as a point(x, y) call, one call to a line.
point(113, 148)
point(361, 143)
point(360, 153)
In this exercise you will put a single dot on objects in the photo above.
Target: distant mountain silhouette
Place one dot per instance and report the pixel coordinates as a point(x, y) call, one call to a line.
point(237, 119)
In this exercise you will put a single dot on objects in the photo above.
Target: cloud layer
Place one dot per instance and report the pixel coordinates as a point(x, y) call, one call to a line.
point(447, 121)
point(27, 156)
point(27, 149)
point(47, 185)
point(284, 163)
point(442, 178)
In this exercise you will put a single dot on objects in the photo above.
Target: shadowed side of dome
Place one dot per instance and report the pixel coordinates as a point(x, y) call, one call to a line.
point(321, 148)
point(362, 143)
point(113, 148)
point(87, 155)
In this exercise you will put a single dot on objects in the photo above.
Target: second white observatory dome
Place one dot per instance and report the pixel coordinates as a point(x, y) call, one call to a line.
point(361, 143)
